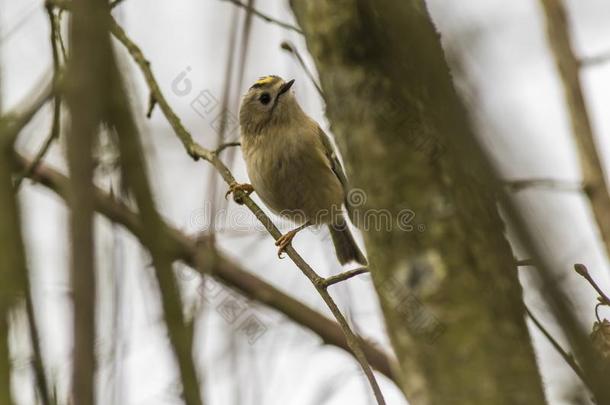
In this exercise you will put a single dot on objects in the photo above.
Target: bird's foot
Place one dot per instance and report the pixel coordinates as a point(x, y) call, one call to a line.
point(284, 241)
point(234, 187)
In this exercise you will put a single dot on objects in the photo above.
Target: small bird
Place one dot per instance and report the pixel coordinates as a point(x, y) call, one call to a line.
point(293, 166)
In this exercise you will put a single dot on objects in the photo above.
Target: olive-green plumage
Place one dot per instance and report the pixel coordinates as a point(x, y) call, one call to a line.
point(292, 164)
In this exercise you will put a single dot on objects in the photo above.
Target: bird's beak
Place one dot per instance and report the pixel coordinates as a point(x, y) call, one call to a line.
point(285, 87)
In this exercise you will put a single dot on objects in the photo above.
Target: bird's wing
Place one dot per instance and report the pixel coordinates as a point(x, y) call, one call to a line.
point(337, 168)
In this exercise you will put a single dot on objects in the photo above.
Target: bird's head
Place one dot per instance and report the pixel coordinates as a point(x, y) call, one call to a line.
point(268, 102)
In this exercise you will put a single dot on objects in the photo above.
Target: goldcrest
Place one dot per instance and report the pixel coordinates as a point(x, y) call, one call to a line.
point(293, 166)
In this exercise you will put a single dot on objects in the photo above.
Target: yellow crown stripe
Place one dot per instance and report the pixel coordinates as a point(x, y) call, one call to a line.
point(265, 80)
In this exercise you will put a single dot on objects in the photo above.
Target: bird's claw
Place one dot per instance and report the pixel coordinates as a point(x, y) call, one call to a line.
point(234, 187)
point(283, 242)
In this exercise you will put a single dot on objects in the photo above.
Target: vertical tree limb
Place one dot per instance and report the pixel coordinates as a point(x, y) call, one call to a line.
point(450, 293)
point(133, 167)
point(86, 94)
point(568, 67)
point(13, 270)
point(12, 261)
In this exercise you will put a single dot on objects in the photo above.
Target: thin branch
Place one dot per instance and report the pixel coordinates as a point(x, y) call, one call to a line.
point(566, 356)
point(583, 271)
point(14, 121)
point(55, 128)
point(265, 16)
point(558, 185)
point(13, 269)
point(568, 68)
point(37, 363)
point(328, 281)
point(226, 145)
point(133, 166)
point(152, 102)
point(595, 60)
point(53, 135)
point(12, 260)
point(187, 250)
point(13, 264)
point(524, 262)
point(60, 38)
point(289, 47)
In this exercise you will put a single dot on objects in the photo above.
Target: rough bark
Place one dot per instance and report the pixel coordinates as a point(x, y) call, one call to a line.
point(448, 285)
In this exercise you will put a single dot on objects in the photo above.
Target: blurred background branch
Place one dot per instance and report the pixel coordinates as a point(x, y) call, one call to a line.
point(13, 270)
point(56, 126)
point(133, 169)
point(265, 17)
point(568, 67)
point(208, 261)
point(86, 96)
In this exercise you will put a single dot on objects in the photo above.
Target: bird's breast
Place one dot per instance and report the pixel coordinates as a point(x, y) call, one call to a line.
point(291, 175)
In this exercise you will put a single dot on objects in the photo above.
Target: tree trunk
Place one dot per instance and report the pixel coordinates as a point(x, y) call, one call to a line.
point(441, 265)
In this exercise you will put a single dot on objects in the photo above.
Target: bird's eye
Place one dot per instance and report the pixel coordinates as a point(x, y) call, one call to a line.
point(265, 98)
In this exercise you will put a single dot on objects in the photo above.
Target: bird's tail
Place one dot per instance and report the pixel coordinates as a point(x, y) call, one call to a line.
point(345, 245)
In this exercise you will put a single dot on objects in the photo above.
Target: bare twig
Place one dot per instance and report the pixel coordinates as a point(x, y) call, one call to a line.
point(13, 258)
point(265, 17)
point(596, 187)
point(524, 263)
point(566, 356)
point(14, 121)
point(183, 248)
point(197, 151)
point(55, 128)
point(152, 102)
point(37, 363)
point(60, 37)
point(558, 185)
point(226, 145)
point(53, 135)
point(583, 271)
point(328, 281)
point(595, 60)
point(289, 47)
point(13, 268)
